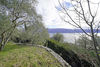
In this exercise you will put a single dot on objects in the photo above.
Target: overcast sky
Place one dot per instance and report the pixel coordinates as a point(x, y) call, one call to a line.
point(51, 19)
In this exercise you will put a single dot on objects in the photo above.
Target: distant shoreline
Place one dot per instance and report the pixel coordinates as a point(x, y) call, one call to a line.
point(61, 30)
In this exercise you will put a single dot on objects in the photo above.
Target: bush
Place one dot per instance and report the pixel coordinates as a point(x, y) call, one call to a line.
point(66, 52)
point(58, 37)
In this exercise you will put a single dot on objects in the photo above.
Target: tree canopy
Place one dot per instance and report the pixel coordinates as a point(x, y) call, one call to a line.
point(58, 37)
point(19, 19)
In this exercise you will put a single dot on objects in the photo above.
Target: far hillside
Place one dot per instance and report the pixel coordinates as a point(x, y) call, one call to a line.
point(65, 30)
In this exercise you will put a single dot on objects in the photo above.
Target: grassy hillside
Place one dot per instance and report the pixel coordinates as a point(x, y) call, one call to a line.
point(72, 53)
point(26, 56)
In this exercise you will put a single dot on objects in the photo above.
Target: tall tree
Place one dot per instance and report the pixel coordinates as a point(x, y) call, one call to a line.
point(33, 32)
point(19, 11)
point(83, 12)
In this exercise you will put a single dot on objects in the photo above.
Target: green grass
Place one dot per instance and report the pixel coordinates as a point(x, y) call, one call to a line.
point(26, 56)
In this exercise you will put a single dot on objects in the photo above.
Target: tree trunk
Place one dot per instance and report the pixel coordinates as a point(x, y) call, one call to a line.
point(96, 50)
point(95, 45)
point(5, 39)
point(2, 41)
point(85, 44)
point(1, 46)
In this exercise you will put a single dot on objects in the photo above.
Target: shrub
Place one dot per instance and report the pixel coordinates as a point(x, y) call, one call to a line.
point(68, 54)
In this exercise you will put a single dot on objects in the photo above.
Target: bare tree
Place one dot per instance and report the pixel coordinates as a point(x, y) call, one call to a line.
point(81, 12)
point(84, 41)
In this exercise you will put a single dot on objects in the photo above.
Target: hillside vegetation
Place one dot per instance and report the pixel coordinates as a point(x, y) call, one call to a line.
point(74, 55)
point(26, 56)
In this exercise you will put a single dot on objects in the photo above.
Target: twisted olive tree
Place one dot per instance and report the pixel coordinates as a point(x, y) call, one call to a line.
point(16, 12)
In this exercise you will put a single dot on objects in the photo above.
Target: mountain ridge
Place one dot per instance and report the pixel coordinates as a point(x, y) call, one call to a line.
point(63, 30)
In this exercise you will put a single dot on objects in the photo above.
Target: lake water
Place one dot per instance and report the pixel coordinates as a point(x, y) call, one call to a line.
point(70, 37)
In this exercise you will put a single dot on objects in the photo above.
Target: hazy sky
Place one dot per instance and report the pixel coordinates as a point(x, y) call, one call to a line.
point(47, 8)
point(51, 19)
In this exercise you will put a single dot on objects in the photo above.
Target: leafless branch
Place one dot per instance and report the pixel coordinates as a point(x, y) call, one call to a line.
point(89, 8)
point(83, 13)
point(73, 20)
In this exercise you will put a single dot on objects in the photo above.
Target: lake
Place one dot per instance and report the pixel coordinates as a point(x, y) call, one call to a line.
point(70, 37)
